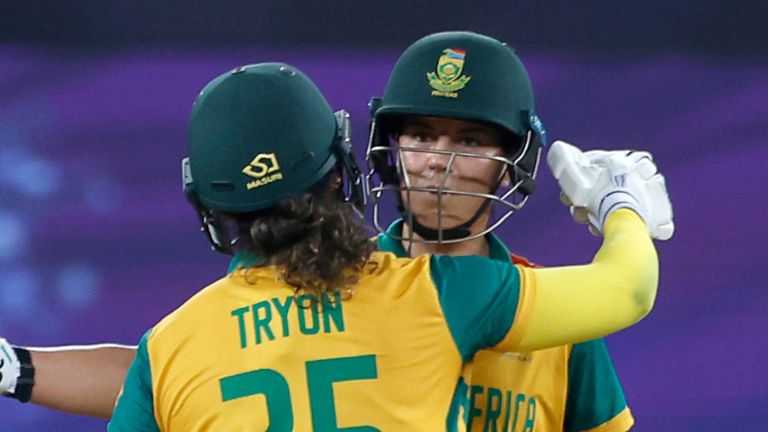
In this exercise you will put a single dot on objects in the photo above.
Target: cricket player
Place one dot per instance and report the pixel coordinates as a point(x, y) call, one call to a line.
point(455, 133)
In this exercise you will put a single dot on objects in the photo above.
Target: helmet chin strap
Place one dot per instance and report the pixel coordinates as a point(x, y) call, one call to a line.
point(455, 233)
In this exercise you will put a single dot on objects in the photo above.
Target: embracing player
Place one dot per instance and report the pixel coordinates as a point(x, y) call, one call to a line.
point(454, 135)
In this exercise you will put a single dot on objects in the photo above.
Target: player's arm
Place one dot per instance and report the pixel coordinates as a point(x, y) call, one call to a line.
point(577, 303)
point(82, 380)
point(623, 197)
point(523, 309)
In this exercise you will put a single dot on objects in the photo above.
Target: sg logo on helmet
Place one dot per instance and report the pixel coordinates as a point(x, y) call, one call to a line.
point(264, 168)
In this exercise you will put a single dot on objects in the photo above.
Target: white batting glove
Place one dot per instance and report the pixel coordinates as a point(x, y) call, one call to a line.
point(596, 183)
point(653, 190)
point(10, 367)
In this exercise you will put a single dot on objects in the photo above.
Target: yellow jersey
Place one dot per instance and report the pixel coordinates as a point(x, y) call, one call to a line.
point(246, 354)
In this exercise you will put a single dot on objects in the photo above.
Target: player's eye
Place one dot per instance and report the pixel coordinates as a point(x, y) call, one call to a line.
point(420, 137)
point(473, 142)
point(414, 136)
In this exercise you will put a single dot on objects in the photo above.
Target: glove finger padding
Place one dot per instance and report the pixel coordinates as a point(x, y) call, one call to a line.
point(565, 200)
point(652, 192)
point(624, 161)
point(574, 172)
point(593, 181)
point(602, 158)
point(661, 219)
point(659, 208)
point(646, 169)
point(580, 214)
point(637, 156)
point(599, 182)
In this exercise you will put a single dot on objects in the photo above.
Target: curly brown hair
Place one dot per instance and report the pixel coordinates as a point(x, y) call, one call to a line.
point(319, 243)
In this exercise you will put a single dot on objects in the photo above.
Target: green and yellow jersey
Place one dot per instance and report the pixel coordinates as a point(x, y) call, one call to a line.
point(565, 388)
point(245, 354)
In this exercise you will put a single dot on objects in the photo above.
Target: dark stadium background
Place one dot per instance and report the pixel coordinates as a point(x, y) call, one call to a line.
point(97, 242)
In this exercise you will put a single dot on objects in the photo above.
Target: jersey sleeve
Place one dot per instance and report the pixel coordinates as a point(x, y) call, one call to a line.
point(595, 400)
point(479, 298)
point(135, 409)
point(584, 302)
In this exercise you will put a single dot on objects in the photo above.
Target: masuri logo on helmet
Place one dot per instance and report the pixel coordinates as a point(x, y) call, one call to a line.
point(260, 166)
point(259, 134)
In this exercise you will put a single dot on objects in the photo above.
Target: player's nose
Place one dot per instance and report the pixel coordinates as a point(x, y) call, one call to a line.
point(438, 160)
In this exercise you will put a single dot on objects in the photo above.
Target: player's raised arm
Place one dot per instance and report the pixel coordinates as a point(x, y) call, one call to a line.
point(625, 199)
point(520, 308)
point(82, 380)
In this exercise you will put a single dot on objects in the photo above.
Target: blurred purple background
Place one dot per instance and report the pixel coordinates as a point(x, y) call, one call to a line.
point(97, 242)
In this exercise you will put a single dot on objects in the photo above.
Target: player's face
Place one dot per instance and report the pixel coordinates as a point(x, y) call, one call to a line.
point(419, 142)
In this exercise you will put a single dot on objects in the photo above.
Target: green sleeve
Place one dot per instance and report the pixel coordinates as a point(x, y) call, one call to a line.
point(595, 395)
point(135, 411)
point(479, 299)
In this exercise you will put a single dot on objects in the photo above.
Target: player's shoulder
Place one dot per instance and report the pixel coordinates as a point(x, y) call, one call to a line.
point(380, 260)
point(389, 261)
point(206, 298)
point(436, 271)
point(387, 269)
point(388, 258)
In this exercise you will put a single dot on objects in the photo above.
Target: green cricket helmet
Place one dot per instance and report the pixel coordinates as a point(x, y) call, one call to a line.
point(259, 134)
point(460, 75)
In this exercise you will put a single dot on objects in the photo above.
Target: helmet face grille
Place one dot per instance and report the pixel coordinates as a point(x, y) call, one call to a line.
point(398, 189)
point(465, 76)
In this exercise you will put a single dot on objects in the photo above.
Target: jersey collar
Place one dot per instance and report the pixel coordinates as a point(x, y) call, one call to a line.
point(243, 260)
